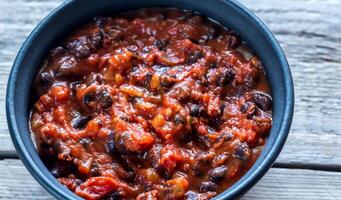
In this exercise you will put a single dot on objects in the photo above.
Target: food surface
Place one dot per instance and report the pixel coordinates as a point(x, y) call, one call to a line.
point(151, 104)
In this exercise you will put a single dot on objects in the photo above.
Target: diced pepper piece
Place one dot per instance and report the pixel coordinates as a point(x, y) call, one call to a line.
point(132, 90)
point(60, 93)
point(97, 187)
point(170, 157)
point(155, 82)
point(132, 137)
point(158, 121)
point(176, 188)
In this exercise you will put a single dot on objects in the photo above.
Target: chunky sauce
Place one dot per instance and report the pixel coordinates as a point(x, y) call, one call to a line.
point(151, 104)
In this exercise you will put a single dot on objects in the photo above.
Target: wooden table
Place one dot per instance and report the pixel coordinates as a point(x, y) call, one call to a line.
point(309, 31)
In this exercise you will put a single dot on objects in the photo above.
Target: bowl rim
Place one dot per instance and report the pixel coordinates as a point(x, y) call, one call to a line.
point(239, 188)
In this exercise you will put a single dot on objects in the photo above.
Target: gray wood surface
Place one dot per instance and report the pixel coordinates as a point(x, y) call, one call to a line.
point(309, 32)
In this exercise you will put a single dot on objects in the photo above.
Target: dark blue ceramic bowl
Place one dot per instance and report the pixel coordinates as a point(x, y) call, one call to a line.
point(74, 13)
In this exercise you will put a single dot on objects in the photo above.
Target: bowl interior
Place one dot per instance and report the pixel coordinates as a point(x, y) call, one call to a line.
point(72, 14)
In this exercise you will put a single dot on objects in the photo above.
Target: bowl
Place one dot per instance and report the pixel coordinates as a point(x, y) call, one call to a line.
point(74, 13)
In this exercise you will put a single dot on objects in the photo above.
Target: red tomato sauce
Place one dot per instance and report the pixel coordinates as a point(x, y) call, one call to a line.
point(151, 104)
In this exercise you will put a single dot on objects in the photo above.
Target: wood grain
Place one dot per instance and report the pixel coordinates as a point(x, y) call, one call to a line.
point(281, 184)
point(297, 184)
point(17, 20)
point(309, 33)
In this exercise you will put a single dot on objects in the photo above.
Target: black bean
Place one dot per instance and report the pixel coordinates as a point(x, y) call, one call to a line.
point(88, 97)
point(131, 176)
point(204, 141)
point(154, 155)
point(57, 51)
point(192, 195)
point(46, 79)
point(262, 100)
point(95, 170)
point(202, 160)
point(194, 57)
point(85, 142)
point(80, 122)
point(223, 138)
point(113, 35)
point(204, 156)
point(125, 116)
point(95, 78)
point(244, 107)
point(79, 47)
point(132, 48)
point(100, 21)
point(208, 186)
point(248, 108)
point(226, 77)
point(111, 147)
point(113, 196)
point(161, 44)
point(178, 119)
point(105, 99)
point(67, 65)
point(147, 79)
point(214, 121)
point(232, 40)
point(196, 110)
point(196, 19)
point(213, 65)
point(60, 169)
point(121, 141)
point(222, 108)
point(220, 160)
point(242, 152)
point(210, 130)
point(225, 135)
point(166, 80)
point(82, 51)
point(74, 86)
point(100, 97)
point(96, 39)
point(211, 76)
point(218, 173)
point(56, 172)
point(186, 138)
point(146, 49)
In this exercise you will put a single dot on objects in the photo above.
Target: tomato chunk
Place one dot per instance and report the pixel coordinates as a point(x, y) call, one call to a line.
point(97, 187)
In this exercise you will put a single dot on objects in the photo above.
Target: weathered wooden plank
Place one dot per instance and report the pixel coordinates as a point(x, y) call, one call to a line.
point(17, 183)
point(310, 34)
point(312, 149)
point(308, 31)
point(17, 20)
point(283, 184)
